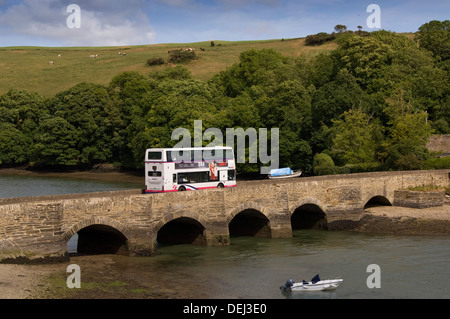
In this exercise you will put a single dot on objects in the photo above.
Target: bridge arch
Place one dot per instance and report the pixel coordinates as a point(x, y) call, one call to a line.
point(309, 213)
point(249, 219)
point(99, 235)
point(181, 228)
point(377, 200)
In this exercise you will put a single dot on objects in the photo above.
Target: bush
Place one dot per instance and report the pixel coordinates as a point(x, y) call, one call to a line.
point(438, 163)
point(155, 61)
point(182, 56)
point(323, 164)
point(360, 168)
point(319, 38)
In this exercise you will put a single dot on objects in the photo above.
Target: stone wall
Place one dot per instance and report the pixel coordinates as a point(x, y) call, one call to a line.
point(439, 143)
point(32, 232)
point(418, 199)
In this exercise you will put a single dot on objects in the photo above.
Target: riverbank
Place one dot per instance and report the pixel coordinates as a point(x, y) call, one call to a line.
point(406, 221)
point(101, 278)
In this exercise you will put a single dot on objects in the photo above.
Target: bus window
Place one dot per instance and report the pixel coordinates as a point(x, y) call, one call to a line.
point(154, 174)
point(195, 177)
point(179, 156)
point(154, 156)
point(183, 178)
point(231, 175)
point(229, 154)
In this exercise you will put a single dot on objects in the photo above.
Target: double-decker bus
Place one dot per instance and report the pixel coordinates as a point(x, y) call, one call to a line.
point(185, 169)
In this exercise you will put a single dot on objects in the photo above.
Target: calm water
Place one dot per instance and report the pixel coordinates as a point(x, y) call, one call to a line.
point(411, 266)
point(19, 186)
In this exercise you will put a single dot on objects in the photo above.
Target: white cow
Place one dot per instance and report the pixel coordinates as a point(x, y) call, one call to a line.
point(51, 62)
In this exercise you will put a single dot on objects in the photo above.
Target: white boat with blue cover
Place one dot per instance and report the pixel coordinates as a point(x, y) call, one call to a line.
point(285, 172)
point(316, 284)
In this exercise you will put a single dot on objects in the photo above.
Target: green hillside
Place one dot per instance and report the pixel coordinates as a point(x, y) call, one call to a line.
point(370, 105)
point(29, 68)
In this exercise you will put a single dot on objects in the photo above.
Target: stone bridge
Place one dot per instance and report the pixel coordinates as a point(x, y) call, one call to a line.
point(37, 229)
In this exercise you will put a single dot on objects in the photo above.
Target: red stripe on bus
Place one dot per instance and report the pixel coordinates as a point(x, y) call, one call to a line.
point(187, 189)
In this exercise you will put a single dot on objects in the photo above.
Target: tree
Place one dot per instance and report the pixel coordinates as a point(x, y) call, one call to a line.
point(129, 93)
point(354, 142)
point(177, 73)
point(22, 108)
point(20, 114)
point(435, 37)
point(336, 97)
point(56, 143)
point(340, 28)
point(405, 147)
point(88, 109)
point(264, 68)
point(14, 145)
point(365, 58)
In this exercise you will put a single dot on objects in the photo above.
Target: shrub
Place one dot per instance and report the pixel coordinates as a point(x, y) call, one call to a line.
point(319, 38)
point(360, 168)
point(182, 56)
point(155, 61)
point(438, 163)
point(323, 164)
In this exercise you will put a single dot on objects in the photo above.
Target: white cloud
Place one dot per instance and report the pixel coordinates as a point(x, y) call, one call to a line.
point(103, 23)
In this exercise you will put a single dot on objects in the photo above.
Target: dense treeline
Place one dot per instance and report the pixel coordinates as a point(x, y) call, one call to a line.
point(370, 104)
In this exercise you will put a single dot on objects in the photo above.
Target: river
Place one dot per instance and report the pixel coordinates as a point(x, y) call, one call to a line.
point(409, 266)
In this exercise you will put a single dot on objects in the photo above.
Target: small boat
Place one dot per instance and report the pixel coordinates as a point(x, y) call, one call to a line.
point(286, 172)
point(316, 284)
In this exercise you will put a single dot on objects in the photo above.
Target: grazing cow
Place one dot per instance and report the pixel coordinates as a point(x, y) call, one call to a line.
point(202, 49)
point(51, 62)
point(93, 56)
point(59, 56)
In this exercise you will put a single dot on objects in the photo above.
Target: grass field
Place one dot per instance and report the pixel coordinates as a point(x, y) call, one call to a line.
point(28, 68)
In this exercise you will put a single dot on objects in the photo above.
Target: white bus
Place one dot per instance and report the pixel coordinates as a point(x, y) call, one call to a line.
point(185, 169)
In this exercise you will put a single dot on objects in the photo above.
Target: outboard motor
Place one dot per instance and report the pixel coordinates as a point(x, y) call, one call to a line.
point(287, 285)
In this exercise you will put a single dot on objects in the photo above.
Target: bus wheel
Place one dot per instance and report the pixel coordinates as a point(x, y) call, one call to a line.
point(182, 189)
point(220, 185)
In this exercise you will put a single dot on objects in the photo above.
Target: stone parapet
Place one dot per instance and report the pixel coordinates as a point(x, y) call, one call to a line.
point(419, 199)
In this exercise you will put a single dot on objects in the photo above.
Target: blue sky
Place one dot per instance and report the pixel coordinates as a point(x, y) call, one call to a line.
point(132, 22)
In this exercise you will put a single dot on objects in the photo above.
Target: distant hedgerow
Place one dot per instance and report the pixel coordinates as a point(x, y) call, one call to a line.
point(182, 56)
point(320, 38)
point(155, 61)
